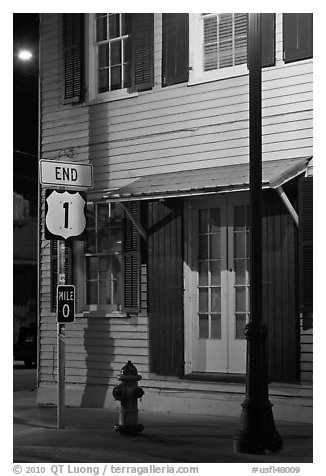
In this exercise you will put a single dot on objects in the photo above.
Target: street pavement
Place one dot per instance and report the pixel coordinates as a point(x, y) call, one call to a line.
point(89, 437)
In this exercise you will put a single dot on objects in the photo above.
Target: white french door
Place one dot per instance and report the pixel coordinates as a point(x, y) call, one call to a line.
point(218, 296)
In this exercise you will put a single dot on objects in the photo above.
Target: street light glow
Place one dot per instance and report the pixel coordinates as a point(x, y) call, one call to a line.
point(25, 55)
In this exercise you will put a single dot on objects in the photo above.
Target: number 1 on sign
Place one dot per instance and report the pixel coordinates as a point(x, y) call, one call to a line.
point(66, 207)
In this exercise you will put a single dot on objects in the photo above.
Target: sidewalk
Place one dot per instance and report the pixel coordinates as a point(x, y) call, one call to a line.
point(89, 437)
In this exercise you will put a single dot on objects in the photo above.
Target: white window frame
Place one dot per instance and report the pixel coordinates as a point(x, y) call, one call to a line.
point(92, 61)
point(196, 47)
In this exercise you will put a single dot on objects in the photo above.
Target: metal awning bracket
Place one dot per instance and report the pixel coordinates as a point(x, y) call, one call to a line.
point(288, 204)
point(135, 221)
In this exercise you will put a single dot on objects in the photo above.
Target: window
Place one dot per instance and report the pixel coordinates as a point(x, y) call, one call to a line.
point(297, 36)
point(120, 54)
point(218, 45)
point(113, 45)
point(224, 40)
point(103, 256)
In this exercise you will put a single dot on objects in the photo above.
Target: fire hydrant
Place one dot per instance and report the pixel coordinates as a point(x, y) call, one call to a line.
point(128, 392)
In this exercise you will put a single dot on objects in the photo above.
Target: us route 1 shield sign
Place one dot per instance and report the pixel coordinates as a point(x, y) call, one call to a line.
point(65, 215)
point(65, 303)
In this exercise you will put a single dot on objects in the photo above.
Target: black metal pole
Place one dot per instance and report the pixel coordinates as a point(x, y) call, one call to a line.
point(257, 429)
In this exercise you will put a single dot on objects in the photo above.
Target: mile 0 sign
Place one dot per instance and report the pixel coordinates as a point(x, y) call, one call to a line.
point(65, 215)
point(65, 303)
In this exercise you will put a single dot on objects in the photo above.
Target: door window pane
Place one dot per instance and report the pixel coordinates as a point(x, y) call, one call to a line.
point(240, 299)
point(203, 300)
point(216, 273)
point(203, 247)
point(215, 246)
point(215, 299)
point(216, 326)
point(203, 273)
point(214, 225)
point(240, 271)
point(203, 326)
point(240, 244)
point(203, 221)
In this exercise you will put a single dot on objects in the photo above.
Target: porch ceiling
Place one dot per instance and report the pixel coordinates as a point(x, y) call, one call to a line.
point(227, 178)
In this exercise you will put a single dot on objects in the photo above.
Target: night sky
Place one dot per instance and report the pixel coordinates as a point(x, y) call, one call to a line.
point(25, 108)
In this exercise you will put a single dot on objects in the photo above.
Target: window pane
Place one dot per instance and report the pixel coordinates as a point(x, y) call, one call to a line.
point(216, 272)
point(203, 273)
point(216, 331)
point(90, 241)
point(115, 53)
point(203, 300)
point(103, 240)
point(104, 265)
point(240, 244)
point(91, 294)
point(90, 216)
point(210, 57)
point(92, 268)
point(240, 299)
point(203, 247)
point(240, 271)
point(102, 215)
point(103, 56)
point(240, 218)
point(202, 221)
point(214, 215)
point(115, 78)
point(105, 292)
point(203, 326)
point(114, 25)
point(101, 22)
point(215, 299)
point(215, 246)
point(103, 80)
point(126, 23)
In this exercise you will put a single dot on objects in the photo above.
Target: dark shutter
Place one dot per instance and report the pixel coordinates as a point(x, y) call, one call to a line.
point(73, 45)
point(306, 250)
point(267, 39)
point(297, 36)
point(142, 51)
point(54, 269)
point(175, 59)
point(280, 289)
point(131, 260)
point(165, 287)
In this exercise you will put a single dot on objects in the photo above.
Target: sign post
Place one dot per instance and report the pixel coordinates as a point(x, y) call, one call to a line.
point(64, 219)
point(61, 343)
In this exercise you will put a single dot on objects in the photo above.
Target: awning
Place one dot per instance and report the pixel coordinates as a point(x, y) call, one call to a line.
point(225, 178)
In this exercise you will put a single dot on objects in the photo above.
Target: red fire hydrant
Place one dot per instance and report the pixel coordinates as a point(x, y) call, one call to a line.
point(128, 392)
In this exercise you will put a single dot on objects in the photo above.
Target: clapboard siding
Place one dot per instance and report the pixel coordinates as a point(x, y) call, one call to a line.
point(162, 130)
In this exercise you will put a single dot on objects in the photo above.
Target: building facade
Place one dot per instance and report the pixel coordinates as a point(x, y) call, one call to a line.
point(159, 105)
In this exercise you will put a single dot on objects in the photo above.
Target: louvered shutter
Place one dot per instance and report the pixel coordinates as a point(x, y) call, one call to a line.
point(54, 269)
point(267, 39)
point(306, 249)
point(73, 46)
point(165, 287)
point(297, 36)
point(131, 260)
point(175, 59)
point(142, 41)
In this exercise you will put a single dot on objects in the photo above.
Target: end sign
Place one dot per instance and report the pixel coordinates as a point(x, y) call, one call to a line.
point(65, 303)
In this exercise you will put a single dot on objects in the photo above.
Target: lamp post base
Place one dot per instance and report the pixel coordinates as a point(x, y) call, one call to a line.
point(258, 433)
